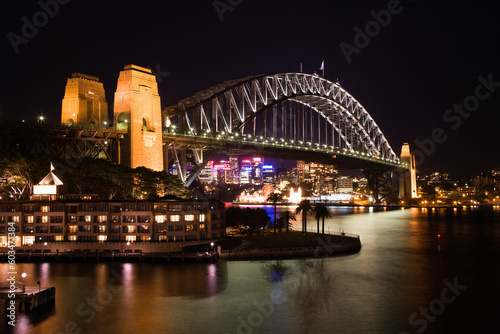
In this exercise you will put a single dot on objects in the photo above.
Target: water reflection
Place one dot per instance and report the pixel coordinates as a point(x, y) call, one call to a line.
point(397, 271)
point(276, 271)
point(313, 293)
point(204, 280)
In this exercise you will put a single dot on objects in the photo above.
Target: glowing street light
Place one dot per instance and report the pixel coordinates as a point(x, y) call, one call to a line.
point(23, 275)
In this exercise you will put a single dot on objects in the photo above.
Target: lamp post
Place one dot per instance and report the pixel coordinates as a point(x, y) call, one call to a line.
point(212, 245)
point(23, 275)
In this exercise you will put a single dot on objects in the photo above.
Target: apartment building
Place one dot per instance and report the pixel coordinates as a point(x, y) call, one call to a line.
point(170, 219)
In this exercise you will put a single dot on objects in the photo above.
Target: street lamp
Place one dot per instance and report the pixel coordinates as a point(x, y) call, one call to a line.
point(212, 245)
point(23, 275)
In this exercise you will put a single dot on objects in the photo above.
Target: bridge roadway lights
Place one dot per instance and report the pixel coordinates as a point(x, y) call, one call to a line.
point(344, 157)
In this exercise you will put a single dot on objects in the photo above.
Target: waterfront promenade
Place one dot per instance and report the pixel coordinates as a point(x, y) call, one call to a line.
point(293, 244)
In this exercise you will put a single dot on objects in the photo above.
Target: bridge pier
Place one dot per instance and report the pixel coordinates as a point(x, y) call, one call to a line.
point(384, 184)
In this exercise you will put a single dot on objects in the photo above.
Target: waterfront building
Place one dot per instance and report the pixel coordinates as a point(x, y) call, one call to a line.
point(169, 219)
point(48, 187)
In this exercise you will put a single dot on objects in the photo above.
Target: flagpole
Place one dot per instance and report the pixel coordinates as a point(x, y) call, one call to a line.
point(300, 67)
point(323, 69)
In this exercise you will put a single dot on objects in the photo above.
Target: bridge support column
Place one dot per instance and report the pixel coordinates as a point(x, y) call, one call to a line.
point(408, 177)
point(383, 184)
point(137, 110)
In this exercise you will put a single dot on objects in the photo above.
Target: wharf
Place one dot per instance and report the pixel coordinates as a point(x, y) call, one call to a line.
point(110, 255)
point(32, 297)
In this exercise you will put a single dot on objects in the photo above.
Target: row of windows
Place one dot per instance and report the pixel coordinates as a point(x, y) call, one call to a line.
point(103, 219)
point(130, 238)
point(110, 207)
point(113, 229)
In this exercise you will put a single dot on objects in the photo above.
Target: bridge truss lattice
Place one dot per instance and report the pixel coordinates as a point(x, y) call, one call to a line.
point(297, 109)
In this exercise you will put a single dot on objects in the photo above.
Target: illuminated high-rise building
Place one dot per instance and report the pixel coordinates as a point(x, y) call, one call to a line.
point(257, 170)
point(322, 177)
point(207, 173)
point(234, 166)
point(245, 171)
point(268, 174)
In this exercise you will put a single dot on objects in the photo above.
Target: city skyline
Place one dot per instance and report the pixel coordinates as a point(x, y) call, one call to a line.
point(422, 61)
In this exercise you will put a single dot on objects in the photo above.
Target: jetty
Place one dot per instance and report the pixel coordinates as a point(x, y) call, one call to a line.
point(29, 298)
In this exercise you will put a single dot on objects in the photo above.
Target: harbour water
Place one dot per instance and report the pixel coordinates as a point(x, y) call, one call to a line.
point(405, 279)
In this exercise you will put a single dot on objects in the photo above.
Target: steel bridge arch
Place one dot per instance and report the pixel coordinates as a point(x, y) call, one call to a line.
point(230, 106)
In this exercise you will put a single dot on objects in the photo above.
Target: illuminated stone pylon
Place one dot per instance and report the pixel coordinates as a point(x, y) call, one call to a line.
point(137, 110)
point(408, 178)
point(84, 101)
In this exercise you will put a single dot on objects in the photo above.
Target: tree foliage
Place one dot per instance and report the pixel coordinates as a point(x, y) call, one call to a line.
point(18, 174)
point(285, 220)
point(320, 211)
point(90, 176)
point(275, 198)
point(304, 208)
point(254, 219)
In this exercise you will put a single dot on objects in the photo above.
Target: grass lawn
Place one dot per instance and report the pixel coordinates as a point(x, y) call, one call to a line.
point(291, 239)
point(266, 240)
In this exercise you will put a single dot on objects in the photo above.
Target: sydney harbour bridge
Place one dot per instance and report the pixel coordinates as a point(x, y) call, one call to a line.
point(295, 116)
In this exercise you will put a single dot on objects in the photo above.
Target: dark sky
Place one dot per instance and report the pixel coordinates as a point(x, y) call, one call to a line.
point(426, 59)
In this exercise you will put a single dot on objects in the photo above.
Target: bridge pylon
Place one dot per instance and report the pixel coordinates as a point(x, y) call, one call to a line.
point(408, 177)
point(137, 110)
point(383, 182)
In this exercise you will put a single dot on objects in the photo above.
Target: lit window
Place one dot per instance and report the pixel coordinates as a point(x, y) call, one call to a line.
point(189, 228)
point(130, 238)
point(102, 237)
point(88, 219)
point(29, 219)
point(45, 219)
point(175, 218)
point(130, 229)
point(72, 238)
point(45, 208)
point(15, 219)
point(102, 219)
point(203, 217)
point(72, 229)
point(28, 240)
point(59, 238)
point(189, 218)
point(160, 219)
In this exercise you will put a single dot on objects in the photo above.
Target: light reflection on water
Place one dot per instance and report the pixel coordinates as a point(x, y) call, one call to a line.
point(398, 270)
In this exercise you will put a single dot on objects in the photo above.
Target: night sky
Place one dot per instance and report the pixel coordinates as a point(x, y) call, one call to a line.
point(427, 57)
